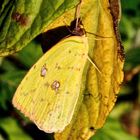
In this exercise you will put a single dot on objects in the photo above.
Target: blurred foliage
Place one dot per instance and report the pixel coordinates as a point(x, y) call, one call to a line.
point(21, 21)
point(124, 121)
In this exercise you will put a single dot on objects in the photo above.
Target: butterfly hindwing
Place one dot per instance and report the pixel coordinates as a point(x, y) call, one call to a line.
point(50, 91)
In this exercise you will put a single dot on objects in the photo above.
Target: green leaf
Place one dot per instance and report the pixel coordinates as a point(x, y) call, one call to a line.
point(11, 127)
point(30, 54)
point(9, 82)
point(131, 11)
point(112, 131)
point(5, 18)
point(26, 19)
point(132, 58)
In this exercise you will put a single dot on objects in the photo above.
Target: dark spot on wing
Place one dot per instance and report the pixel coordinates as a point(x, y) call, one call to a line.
point(71, 68)
point(57, 66)
point(32, 114)
point(77, 69)
point(46, 84)
point(67, 92)
point(25, 93)
point(42, 100)
point(33, 90)
point(55, 85)
point(32, 101)
point(69, 51)
point(26, 78)
point(43, 71)
point(83, 55)
point(77, 85)
point(50, 113)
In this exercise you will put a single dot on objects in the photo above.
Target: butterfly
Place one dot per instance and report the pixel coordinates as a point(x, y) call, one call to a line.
point(52, 90)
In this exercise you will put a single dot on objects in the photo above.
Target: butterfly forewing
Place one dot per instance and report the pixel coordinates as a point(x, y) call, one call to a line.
point(50, 91)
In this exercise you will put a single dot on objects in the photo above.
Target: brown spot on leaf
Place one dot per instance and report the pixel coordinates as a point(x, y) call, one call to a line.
point(16, 16)
point(22, 19)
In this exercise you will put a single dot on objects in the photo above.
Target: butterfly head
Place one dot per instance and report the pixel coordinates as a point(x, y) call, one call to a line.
point(78, 28)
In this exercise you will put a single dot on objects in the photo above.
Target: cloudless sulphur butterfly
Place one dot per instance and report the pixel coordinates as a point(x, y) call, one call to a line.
point(52, 89)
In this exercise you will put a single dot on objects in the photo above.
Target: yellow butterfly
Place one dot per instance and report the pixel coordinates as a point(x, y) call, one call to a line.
point(52, 90)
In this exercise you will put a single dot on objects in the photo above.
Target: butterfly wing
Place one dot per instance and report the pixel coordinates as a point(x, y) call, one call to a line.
point(79, 128)
point(50, 91)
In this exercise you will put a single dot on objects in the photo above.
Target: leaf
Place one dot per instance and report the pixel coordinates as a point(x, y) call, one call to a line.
point(27, 57)
point(109, 58)
point(8, 86)
point(25, 20)
point(112, 130)
point(11, 127)
point(132, 58)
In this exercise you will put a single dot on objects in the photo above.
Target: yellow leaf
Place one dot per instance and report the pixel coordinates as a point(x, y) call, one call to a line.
point(107, 56)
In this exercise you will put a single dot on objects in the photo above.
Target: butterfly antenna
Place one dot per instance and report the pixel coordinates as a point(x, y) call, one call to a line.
point(99, 37)
point(95, 66)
